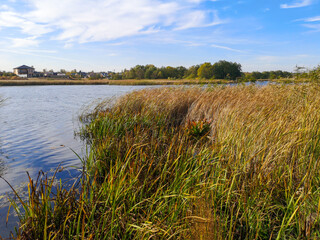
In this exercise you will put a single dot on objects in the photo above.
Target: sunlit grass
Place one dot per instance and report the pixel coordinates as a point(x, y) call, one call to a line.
point(237, 162)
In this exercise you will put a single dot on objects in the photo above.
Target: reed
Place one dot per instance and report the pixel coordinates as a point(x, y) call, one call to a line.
point(224, 162)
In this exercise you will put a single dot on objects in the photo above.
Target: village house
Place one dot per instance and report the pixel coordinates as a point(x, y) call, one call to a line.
point(27, 72)
point(24, 71)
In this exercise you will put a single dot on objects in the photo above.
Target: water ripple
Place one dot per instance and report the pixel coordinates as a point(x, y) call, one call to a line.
point(37, 131)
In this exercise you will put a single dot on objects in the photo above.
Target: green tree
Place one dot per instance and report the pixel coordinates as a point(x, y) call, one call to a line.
point(149, 72)
point(159, 74)
point(226, 70)
point(315, 74)
point(139, 71)
point(116, 76)
point(205, 71)
point(171, 72)
point(181, 71)
point(192, 72)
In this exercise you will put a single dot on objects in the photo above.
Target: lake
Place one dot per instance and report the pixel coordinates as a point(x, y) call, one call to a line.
point(37, 125)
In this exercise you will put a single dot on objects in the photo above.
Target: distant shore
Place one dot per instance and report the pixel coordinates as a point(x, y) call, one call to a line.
point(41, 81)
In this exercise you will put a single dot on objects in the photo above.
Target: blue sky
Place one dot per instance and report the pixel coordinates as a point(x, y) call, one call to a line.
point(104, 35)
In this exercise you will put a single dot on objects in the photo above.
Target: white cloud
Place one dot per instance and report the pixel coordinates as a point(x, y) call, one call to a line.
point(312, 19)
point(4, 7)
point(227, 48)
point(25, 42)
point(297, 4)
point(12, 19)
point(104, 20)
point(68, 45)
point(198, 18)
point(40, 51)
point(311, 23)
point(39, 54)
point(314, 27)
point(275, 59)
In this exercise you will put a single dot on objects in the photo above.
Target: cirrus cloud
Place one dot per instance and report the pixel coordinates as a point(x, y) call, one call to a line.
point(297, 4)
point(104, 20)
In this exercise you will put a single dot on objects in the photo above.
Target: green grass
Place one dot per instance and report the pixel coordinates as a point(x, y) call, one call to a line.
point(237, 162)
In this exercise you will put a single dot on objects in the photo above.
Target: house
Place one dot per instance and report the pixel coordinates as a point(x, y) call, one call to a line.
point(38, 74)
point(24, 71)
point(48, 74)
point(104, 75)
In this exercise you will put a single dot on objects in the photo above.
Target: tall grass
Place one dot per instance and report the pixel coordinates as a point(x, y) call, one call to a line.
point(188, 163)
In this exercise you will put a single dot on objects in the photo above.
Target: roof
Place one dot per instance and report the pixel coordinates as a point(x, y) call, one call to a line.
point(24, 67)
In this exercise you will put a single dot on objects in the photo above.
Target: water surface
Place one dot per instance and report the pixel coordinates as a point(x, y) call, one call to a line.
point(37, 125)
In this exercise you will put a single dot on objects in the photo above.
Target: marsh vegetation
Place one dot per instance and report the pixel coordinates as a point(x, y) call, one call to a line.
point(236, 162)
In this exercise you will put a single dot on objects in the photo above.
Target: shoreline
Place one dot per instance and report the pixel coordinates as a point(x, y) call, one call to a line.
point(34, 82)
point(134, 82)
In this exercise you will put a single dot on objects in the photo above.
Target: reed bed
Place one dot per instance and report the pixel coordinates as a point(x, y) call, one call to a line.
point(238, 162)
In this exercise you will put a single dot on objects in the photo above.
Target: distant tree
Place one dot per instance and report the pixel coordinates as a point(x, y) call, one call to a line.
point(131, 74)
point(116, 76)
point(315, 74)
point(95, 76)
point(192, 72)
point(205, 71)
point(265, 75)
point(171, 72)
point(149, 72)
point(139, 71)
point(181, 71)
point(272, 75)
point(159, 74)
point(226, 70)
point(256, 75)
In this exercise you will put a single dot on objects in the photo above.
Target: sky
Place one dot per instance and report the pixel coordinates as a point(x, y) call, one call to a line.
point(108, 35)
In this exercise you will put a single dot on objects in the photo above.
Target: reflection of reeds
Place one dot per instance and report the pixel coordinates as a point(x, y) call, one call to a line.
point(185, 163)
point(2, 164)
point(2, 167)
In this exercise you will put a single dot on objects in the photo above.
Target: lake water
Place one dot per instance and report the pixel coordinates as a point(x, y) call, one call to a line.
point(37, 125)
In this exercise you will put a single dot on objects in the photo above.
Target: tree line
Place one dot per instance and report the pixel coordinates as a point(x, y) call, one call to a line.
point(219, 70)
point(267, 75)
point(7, 75)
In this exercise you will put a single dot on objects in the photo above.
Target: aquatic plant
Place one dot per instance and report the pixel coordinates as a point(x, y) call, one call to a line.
point(229, 162)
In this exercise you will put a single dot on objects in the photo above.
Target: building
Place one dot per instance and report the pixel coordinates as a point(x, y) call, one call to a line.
point(24, 71)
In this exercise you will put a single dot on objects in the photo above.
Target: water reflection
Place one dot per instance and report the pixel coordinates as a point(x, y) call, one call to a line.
point(37, 126)
point(2, 163)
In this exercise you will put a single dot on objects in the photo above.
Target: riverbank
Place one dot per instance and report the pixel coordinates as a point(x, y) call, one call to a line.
point(36, 81)
point(224, 162)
